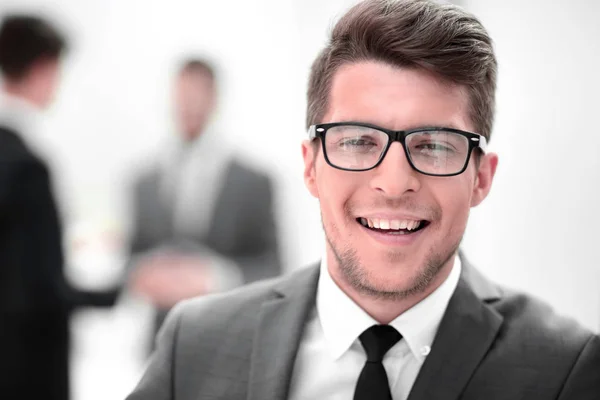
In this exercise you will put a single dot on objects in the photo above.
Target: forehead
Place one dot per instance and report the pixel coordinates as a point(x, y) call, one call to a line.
point(194, 79)
point(395, 98)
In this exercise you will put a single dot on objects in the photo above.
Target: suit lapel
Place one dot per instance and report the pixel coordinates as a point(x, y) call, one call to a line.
point(466, 332)
point(279, 331)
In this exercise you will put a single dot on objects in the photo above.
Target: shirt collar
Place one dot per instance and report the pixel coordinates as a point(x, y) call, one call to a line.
point(209, 144)
point(343, 320)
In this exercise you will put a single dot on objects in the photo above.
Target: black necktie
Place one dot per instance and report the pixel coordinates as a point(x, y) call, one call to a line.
point(373, 382)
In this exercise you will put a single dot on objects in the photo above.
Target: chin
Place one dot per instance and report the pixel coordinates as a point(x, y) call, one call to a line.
point(393, 275)
point(390, 285)
point(398, 276)
point(395, 264)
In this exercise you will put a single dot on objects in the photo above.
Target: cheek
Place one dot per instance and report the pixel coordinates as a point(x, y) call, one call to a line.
point(455, 200)
point(336, 190)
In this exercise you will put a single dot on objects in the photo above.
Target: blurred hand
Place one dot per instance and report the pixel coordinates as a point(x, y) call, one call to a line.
point(166, 279)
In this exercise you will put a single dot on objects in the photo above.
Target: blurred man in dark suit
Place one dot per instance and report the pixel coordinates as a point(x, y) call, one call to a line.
point(203, 219)
point(35, 298)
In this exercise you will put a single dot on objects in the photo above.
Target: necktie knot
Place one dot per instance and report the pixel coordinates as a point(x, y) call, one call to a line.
point(377, 340)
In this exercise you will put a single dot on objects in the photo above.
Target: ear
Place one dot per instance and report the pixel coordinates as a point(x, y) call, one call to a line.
point(309, 154)
point(483, 178)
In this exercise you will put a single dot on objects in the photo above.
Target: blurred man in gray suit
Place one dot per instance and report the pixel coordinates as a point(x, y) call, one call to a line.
point(400, 108)
point(203, 220)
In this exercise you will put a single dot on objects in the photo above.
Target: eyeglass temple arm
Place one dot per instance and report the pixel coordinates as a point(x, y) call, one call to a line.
point(482, 143)
point(312, 132)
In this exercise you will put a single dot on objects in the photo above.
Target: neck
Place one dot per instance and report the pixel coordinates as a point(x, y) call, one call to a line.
point(21, 90)
point(385, 310)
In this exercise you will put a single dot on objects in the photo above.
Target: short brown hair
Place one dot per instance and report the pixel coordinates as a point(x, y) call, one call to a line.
point(198, 65)
point(24, 40)
point(442, 39)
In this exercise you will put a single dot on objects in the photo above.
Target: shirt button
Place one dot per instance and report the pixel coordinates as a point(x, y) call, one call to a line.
point(425, 350)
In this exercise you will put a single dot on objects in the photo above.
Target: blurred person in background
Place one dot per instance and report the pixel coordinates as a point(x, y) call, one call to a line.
point(400, 108)
point(203, 221)
point(35, 298)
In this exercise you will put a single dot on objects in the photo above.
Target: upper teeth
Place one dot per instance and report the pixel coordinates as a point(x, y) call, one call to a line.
point(395, 224)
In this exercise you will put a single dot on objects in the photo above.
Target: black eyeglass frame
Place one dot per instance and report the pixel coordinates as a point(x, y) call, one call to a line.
point(476, 141)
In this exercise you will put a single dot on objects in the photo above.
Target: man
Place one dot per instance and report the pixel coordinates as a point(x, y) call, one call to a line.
point(394, 311)
point(203, 220)
point(35, 298)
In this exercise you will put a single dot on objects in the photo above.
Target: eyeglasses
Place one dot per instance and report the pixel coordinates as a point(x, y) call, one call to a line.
point(355, 146)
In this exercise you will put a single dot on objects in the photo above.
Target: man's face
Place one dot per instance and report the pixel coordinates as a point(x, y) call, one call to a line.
point(194, 102)
point(394, 264)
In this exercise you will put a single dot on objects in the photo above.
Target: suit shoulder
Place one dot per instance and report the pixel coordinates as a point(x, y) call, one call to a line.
point(217, 312)
point(538, 324)
point(19, 164)
point(13, 148)
point(144, 182)
point(146, 175)
point(248, 172)
point(230, 304)
point(539, 351)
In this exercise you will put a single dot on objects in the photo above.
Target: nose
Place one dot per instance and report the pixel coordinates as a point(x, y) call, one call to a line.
point(394, 176)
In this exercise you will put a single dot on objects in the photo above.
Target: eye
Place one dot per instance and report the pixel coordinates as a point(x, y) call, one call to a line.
point(435, 147)
point(358, 142)
point(354, 140)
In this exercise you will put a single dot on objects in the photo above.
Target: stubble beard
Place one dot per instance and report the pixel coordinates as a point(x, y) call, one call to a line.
point(356, 275)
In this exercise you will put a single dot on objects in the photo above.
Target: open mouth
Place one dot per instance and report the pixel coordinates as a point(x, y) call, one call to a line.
point(393, 226)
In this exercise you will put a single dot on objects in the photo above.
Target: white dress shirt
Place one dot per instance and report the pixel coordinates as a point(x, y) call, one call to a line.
point(331, 357)
point(193, 174)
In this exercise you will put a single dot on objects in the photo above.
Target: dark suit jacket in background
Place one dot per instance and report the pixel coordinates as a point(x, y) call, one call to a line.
point(492, 344)
point(241, 227)
point(35, 298)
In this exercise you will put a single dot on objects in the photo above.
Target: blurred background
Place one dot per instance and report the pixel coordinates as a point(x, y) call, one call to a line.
point(537, 231)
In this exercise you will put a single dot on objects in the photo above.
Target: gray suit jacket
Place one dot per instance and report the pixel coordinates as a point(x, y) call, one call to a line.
point(492, 344)
point(242, 226)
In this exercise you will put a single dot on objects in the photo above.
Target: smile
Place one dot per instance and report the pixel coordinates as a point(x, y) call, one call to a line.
point(393, 226)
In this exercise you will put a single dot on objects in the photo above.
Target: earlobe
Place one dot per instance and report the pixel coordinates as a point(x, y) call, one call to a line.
point(484, 178)
point(309, 156)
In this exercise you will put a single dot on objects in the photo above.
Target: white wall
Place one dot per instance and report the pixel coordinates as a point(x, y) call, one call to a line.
point(537, 231)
